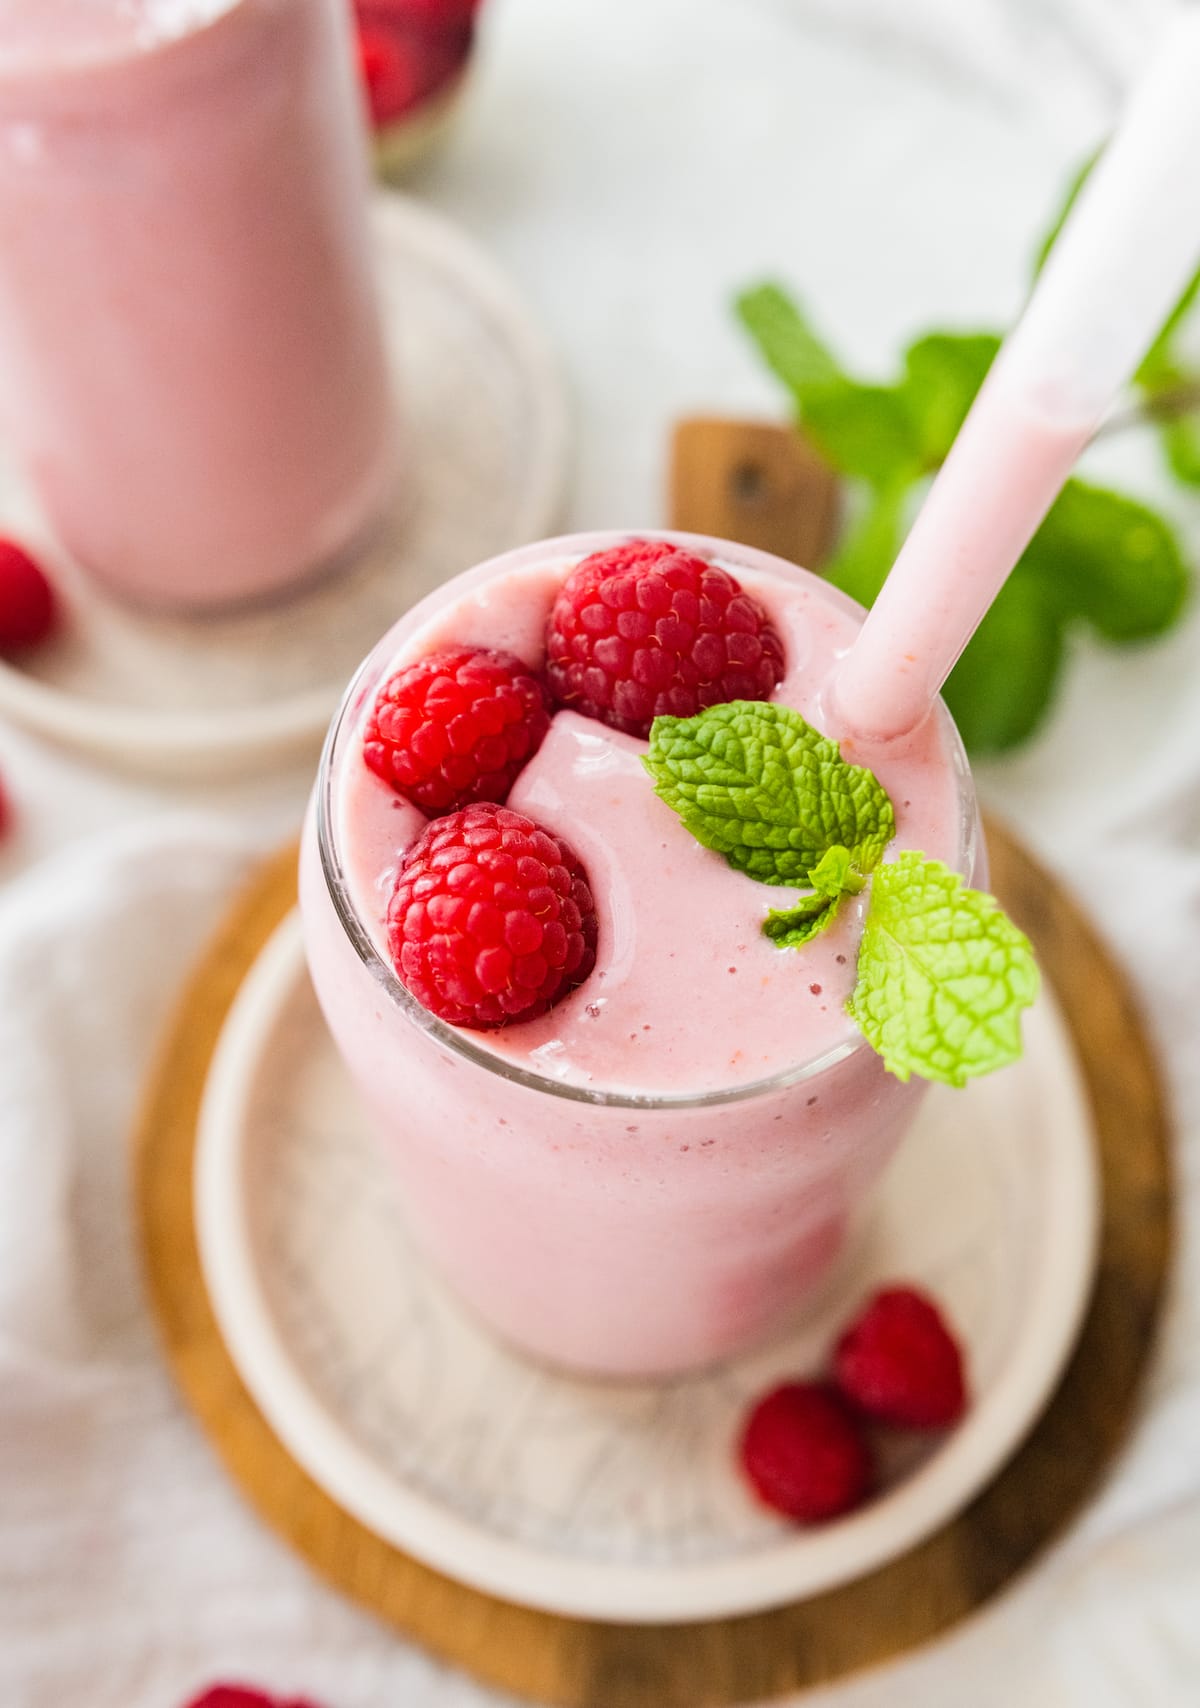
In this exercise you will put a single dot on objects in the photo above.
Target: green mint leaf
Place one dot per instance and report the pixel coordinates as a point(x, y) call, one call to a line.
point(1111, 561)
point(754, 782)
point(943, 975)
point(862, 561)
point(1003, 686)
point(863, 430)
point(786, 341)
point(835, 874)
point(942, 374)
point(1100, 558)
point(793, 927)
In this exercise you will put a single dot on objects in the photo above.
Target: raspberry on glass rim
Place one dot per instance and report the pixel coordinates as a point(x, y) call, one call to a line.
point(492, 918)
point(648, 628)
point(28, 608)
point(456, 727)
point(411, 53)
point(390, 72)
point(805, 1453)
point(432, 17)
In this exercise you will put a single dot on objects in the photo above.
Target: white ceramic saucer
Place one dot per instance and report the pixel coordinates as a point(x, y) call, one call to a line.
point(485, 430)
point(605, 1501)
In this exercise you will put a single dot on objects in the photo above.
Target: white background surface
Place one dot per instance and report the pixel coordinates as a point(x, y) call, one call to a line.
point(632, 162)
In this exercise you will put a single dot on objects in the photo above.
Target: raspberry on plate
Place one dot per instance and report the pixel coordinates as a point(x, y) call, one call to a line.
point(492, 918)
point(456, 727)
point(805, 1453)
point(646, 629)
point(28, 609)
point(900, 1364)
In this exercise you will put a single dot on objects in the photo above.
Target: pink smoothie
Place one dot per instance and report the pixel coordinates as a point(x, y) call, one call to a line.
point(193, 359)
point(654, 1173)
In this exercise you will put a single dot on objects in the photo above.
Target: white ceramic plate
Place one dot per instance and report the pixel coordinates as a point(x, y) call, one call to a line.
point(485, 430)
point(611, 1501)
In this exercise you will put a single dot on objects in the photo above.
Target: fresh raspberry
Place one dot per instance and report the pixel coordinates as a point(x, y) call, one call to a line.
point(492, 918)
point(403, 60)
point(899, 1363)
point(6, 814)
point(806, 1454)
point(28, 609)
point(646, 629)
point(239, 1696)
point(456, 727)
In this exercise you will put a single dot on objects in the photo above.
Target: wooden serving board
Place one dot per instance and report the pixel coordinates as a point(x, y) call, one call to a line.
point(591, 1665)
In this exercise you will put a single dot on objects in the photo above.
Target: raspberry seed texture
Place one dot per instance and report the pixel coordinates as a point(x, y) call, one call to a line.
point(456, 727)
point(492, 918)
point(647, 629)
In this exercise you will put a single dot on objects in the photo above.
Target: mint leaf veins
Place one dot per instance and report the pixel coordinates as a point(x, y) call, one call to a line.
point(943, 975)
point(753, 781)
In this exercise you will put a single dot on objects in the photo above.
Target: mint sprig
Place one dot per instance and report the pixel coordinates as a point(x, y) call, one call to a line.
point(753, 781)
point(943, 975)
point(1101, 561)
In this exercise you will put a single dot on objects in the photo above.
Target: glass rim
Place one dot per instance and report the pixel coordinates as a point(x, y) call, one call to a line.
point(461, 1043)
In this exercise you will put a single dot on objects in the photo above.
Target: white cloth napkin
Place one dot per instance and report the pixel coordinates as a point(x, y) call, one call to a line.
point(130, 1571)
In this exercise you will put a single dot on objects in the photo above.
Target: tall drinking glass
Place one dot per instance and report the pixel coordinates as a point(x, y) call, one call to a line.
point(193, 360)
point(664, 1220)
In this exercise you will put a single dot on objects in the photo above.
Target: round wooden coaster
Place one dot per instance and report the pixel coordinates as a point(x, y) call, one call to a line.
point(592, 1665)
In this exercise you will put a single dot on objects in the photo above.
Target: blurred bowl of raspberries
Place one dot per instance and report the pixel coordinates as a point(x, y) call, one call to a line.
point(413, 56)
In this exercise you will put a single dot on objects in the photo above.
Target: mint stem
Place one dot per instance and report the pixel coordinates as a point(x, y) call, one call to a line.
point(1167, 405)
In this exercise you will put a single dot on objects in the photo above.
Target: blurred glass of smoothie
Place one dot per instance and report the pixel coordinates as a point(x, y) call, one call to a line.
point(654, 1171)
point(194, 369)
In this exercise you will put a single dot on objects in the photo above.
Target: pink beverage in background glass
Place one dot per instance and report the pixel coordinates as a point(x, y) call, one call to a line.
point(194, 369)
point(651, 1175)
